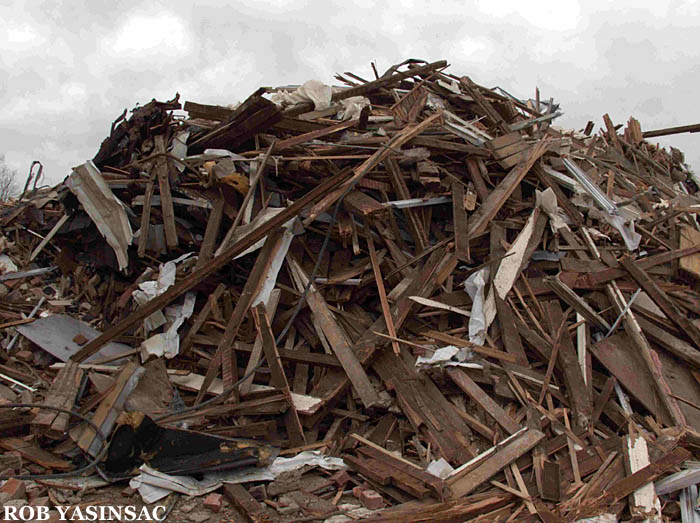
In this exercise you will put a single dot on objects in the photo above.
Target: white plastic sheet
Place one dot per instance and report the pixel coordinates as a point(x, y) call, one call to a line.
point(474, 286)
point(312, 91)
point(153, 485)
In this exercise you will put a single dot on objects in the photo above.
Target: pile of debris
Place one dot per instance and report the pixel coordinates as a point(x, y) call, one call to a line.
point(410, 298)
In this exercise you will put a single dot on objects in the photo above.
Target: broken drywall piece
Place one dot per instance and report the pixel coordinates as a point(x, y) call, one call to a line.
point(105, 209)
point(440, 468)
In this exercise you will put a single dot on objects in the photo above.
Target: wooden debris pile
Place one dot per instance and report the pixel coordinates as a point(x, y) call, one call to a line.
point(483, 315)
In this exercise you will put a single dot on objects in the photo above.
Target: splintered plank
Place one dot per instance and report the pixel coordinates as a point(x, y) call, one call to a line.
point(210, 268)
point(497, 198)
point(48, 237)
point(508, 149)
point(146, 218)
point(166, 199)
point(578, 392)
point(224, 357)
point(647, 474)
point(495, 462)
point(62, 394)
point(337, 339)
point(31, 452)
point(359, 172)
point(255, 355)
point(662, 300)
point(567, 295)
point(437, 485)
point(110, 407)
point(211, 232)
point(459, 215)
point(509, 331)
point(476, 393)
point(361, 204)
point(621, 357)
point(679, 348)
point(313, 135)
point(690, 237)
point(480, 349)
point(278, 379)
point(643, 501)
point(386, 310)
point(246, 504)
point(416, 228)
point(203, 315)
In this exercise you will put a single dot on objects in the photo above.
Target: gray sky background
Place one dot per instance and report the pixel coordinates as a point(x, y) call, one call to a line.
point(67, 69)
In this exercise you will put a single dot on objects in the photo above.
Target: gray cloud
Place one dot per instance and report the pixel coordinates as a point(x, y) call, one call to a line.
point(67, 69)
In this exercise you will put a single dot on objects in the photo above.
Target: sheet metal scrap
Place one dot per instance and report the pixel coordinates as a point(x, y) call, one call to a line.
point(544, 280)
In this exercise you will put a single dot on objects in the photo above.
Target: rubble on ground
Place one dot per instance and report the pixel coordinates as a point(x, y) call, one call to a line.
point(407, 298)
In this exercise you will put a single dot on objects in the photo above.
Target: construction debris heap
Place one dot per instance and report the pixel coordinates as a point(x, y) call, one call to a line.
point(405, 299)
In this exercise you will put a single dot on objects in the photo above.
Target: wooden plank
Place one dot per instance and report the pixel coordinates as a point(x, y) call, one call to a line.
point(31, 452)
point(643, 501)
point(459, 216)
point(246, 504)
point(679, 480)
point(416, 228)
point(337, 339)
point(373, 471)
point(690, 237)
point(567, 295)
point(62, 394)
point(577, 391)
point(202, 317)
point(386, 310)
point(63, 219)
point(601, 277)
point(278, 378)
point(256, 354)
point(213, 266)
point(623, 360)
point(494, 117)
point(444, 145)
point(437, 485)
point(459, 342)
point(679, 348)
point(475, 167)
point(110, 407)
point(649, 473)
point(146, 218)
point(650, 358)
point(292, 356)
point(362, 204)
point(399, 139)
point(509, 331)
point(495, 463)
point(688, 328)
point(206, 250)
point(481, 218)
point(476, 393)
point(313, 135)
point(224, 356)
point(551, 482)
point(166, 199)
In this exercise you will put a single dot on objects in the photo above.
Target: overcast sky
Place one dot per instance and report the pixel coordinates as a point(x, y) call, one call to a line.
point(67, 69)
